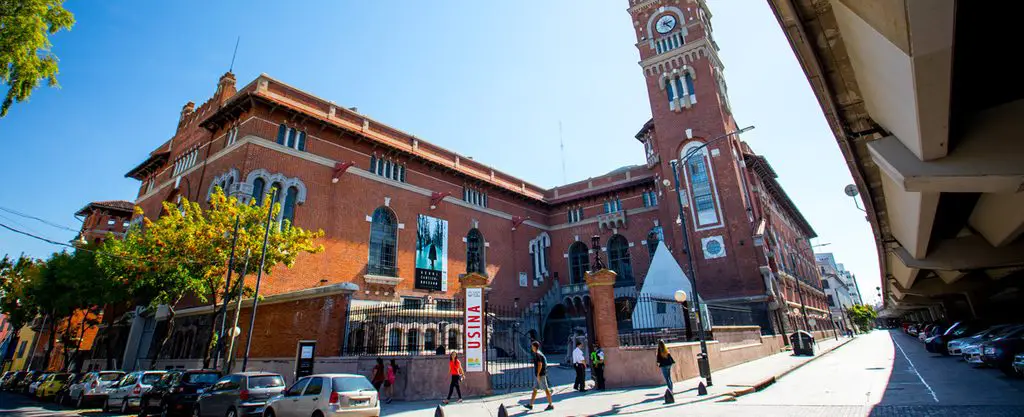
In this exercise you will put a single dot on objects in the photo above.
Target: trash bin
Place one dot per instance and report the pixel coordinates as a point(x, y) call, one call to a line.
point(802, 342)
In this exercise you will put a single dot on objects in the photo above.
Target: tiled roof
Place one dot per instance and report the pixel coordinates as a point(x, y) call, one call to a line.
point(114, 205)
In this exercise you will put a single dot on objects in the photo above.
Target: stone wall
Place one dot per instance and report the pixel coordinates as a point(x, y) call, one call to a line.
point(737, 335)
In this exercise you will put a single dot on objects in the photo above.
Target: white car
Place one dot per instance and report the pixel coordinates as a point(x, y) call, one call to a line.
point(92, 387)
point(127, 393)
point(326, 395)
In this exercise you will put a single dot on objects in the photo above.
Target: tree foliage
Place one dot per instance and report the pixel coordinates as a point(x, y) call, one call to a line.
point(25, 57)
point(185, 251)
point(16, 277)
point(863, 316)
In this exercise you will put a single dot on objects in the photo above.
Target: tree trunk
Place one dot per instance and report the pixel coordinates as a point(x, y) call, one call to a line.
point(51, 342)
point(210, 342)
point(166, 336)
point(64, 346)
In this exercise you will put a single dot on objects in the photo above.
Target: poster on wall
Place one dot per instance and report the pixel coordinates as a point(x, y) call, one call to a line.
point(474, 330)
point(305, 358)
point(431, 254)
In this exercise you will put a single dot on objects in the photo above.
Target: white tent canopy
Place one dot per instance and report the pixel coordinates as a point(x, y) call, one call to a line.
point(663, 279)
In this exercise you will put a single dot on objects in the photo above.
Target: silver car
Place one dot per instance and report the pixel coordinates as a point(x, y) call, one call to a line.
point(92, 387)
point(239, 394)
point(327, 395)
point(126, 393)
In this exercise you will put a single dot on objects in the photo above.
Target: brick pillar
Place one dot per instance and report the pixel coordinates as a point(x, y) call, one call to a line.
point(479, 379)
point(602, 300)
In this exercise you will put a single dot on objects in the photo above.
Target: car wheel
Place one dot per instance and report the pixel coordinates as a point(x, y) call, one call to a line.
point(124, 406)
point(1009, 371)
point(269, 413)
point(317, 413)
point(195, 411)
point(164, 411)
point(59, 399)
point(231, 413)
point(81, 401)
point(143, 408)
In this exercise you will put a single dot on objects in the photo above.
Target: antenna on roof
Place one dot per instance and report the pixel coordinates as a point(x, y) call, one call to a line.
point(561, 145)
point(233, 54)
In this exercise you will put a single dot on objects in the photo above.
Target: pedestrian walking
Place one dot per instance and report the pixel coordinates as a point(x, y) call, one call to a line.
point(665, 362)
point(540, 369)
point(579, 363)
point(597, 366)
point(456, 372)
point(389, 381)
point(379, 375)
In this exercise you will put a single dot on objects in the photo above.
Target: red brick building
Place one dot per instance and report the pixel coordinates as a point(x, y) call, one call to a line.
point(367, 184)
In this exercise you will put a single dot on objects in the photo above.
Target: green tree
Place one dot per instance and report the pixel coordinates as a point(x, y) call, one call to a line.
point(185, 252)
point(25, 57)
point(862, 316)
point(15, 279)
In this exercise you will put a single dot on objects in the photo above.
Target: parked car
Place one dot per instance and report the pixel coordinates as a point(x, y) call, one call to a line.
point(13, 380)
point(92, 387)
point(32, 387)
point(1018, 365)
point(176, 392)
point(955, 346)
point(240, 394)
point(912, 330)
point(326, 395)
point(999, 352)
point(125, 394)
point(61, 398)
point(937, 344)
point(29, 378)
point(48, 389)
point(7, 375)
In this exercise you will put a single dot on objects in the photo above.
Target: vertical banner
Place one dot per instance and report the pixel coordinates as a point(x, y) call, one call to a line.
point(431, 254)
point(474, 330)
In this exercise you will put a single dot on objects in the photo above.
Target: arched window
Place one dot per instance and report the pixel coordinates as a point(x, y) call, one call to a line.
point(475, 252)
point(618, 260)
point(258, 187)
point(701, 190)
point(412, 340)
point(453, 339)
point(275, 193)
point(430, 340)
point(395, 340)
point(288, 211)
point(579, 262)
point(383, 243)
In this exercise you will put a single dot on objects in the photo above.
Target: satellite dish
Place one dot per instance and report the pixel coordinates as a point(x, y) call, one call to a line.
point(851, 190)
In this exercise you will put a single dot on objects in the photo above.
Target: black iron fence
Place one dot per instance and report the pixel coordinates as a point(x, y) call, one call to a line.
point(651, 319)
point(510, 331)
point(411, 327)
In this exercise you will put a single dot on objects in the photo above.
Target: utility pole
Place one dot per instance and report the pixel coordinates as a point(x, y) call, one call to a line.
point(259, 277)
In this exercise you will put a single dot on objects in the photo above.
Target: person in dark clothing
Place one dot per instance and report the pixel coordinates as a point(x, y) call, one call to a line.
point(665, 362)
point(540, 369)
point(379, 375)
point(597, 366)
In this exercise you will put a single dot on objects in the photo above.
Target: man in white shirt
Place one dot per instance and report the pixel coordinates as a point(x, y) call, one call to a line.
point(579, 363)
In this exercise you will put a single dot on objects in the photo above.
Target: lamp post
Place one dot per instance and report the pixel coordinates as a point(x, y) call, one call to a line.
point(703, 357)
point(259, 277)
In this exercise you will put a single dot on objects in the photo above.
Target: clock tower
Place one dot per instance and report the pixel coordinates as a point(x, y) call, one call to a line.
point(690, 107)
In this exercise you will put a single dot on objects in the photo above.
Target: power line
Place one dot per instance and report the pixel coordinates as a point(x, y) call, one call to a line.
point(46, 222)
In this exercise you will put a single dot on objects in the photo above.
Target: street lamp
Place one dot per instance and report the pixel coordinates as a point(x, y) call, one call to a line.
point(702, 359)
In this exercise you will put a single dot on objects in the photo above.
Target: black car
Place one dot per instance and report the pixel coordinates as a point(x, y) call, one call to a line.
point(61, 398)
point(31, 377)
point(937, 344)
point(999, 352)
point(13, 380)
point(176, 392)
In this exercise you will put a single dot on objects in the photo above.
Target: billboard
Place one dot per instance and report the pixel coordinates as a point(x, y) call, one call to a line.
point(431, 254)
point(474, 330)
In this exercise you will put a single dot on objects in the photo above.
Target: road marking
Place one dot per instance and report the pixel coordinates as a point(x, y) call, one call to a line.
point(914, 368)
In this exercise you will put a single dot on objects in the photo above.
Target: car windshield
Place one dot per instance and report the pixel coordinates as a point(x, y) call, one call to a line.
point(110, 376)
point(351, 383)
point(266, 381)
point(150, 379)
point(202, 378)
point(62, 378)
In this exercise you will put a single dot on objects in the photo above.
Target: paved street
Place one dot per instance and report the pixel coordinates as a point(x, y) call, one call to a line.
point(883, 373)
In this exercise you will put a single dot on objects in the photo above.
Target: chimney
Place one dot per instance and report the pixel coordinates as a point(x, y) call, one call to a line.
point(185, 112)
point(225, 88)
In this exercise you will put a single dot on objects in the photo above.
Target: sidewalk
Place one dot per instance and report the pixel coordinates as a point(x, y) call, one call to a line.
point(728, 384)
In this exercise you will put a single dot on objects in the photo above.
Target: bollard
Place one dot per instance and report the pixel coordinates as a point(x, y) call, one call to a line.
point(669, 398)
point(502, 412)
point(701, 389)
point(439, 412)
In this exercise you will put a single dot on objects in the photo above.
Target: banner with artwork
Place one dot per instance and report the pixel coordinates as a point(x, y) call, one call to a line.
point(431, 254)
point(474, 330)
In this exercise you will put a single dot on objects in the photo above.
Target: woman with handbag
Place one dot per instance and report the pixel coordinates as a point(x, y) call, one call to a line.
point(456, 372)
point(665, 362)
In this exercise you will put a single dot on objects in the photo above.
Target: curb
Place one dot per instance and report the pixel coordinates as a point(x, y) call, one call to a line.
point(772, 379)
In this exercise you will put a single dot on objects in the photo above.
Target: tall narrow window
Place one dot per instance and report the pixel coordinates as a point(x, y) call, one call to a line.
point(291, 138)
point(258, 187)
point(412, 340)
point(475, 252)
point(701, 190)
point(282, 131)
point(453, 339)
point(395, 340)
point(288, 211)
point(653, 238)
point(670, 91)
point(430, 340)
point(301, 143)
point(618, 260)
point(373, 164)
point(689, 87)
point(579, 262)
point(383, 243)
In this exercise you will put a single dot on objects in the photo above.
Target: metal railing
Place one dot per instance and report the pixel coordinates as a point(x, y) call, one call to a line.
point(416, 328)
point(652, 319)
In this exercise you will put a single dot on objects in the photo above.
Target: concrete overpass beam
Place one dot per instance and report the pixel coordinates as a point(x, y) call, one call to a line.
point(911, 216)
point(902, 54)
point(964, 253)
point(999, 217)
point(903, 274)
point(950, 277)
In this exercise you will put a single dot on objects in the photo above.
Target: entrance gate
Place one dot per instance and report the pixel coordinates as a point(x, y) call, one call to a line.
point(510, 331)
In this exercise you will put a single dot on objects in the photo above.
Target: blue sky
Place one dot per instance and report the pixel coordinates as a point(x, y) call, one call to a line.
point(491, 80)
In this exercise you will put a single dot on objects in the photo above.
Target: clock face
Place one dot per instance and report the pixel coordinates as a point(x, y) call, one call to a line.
point(665, 24)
